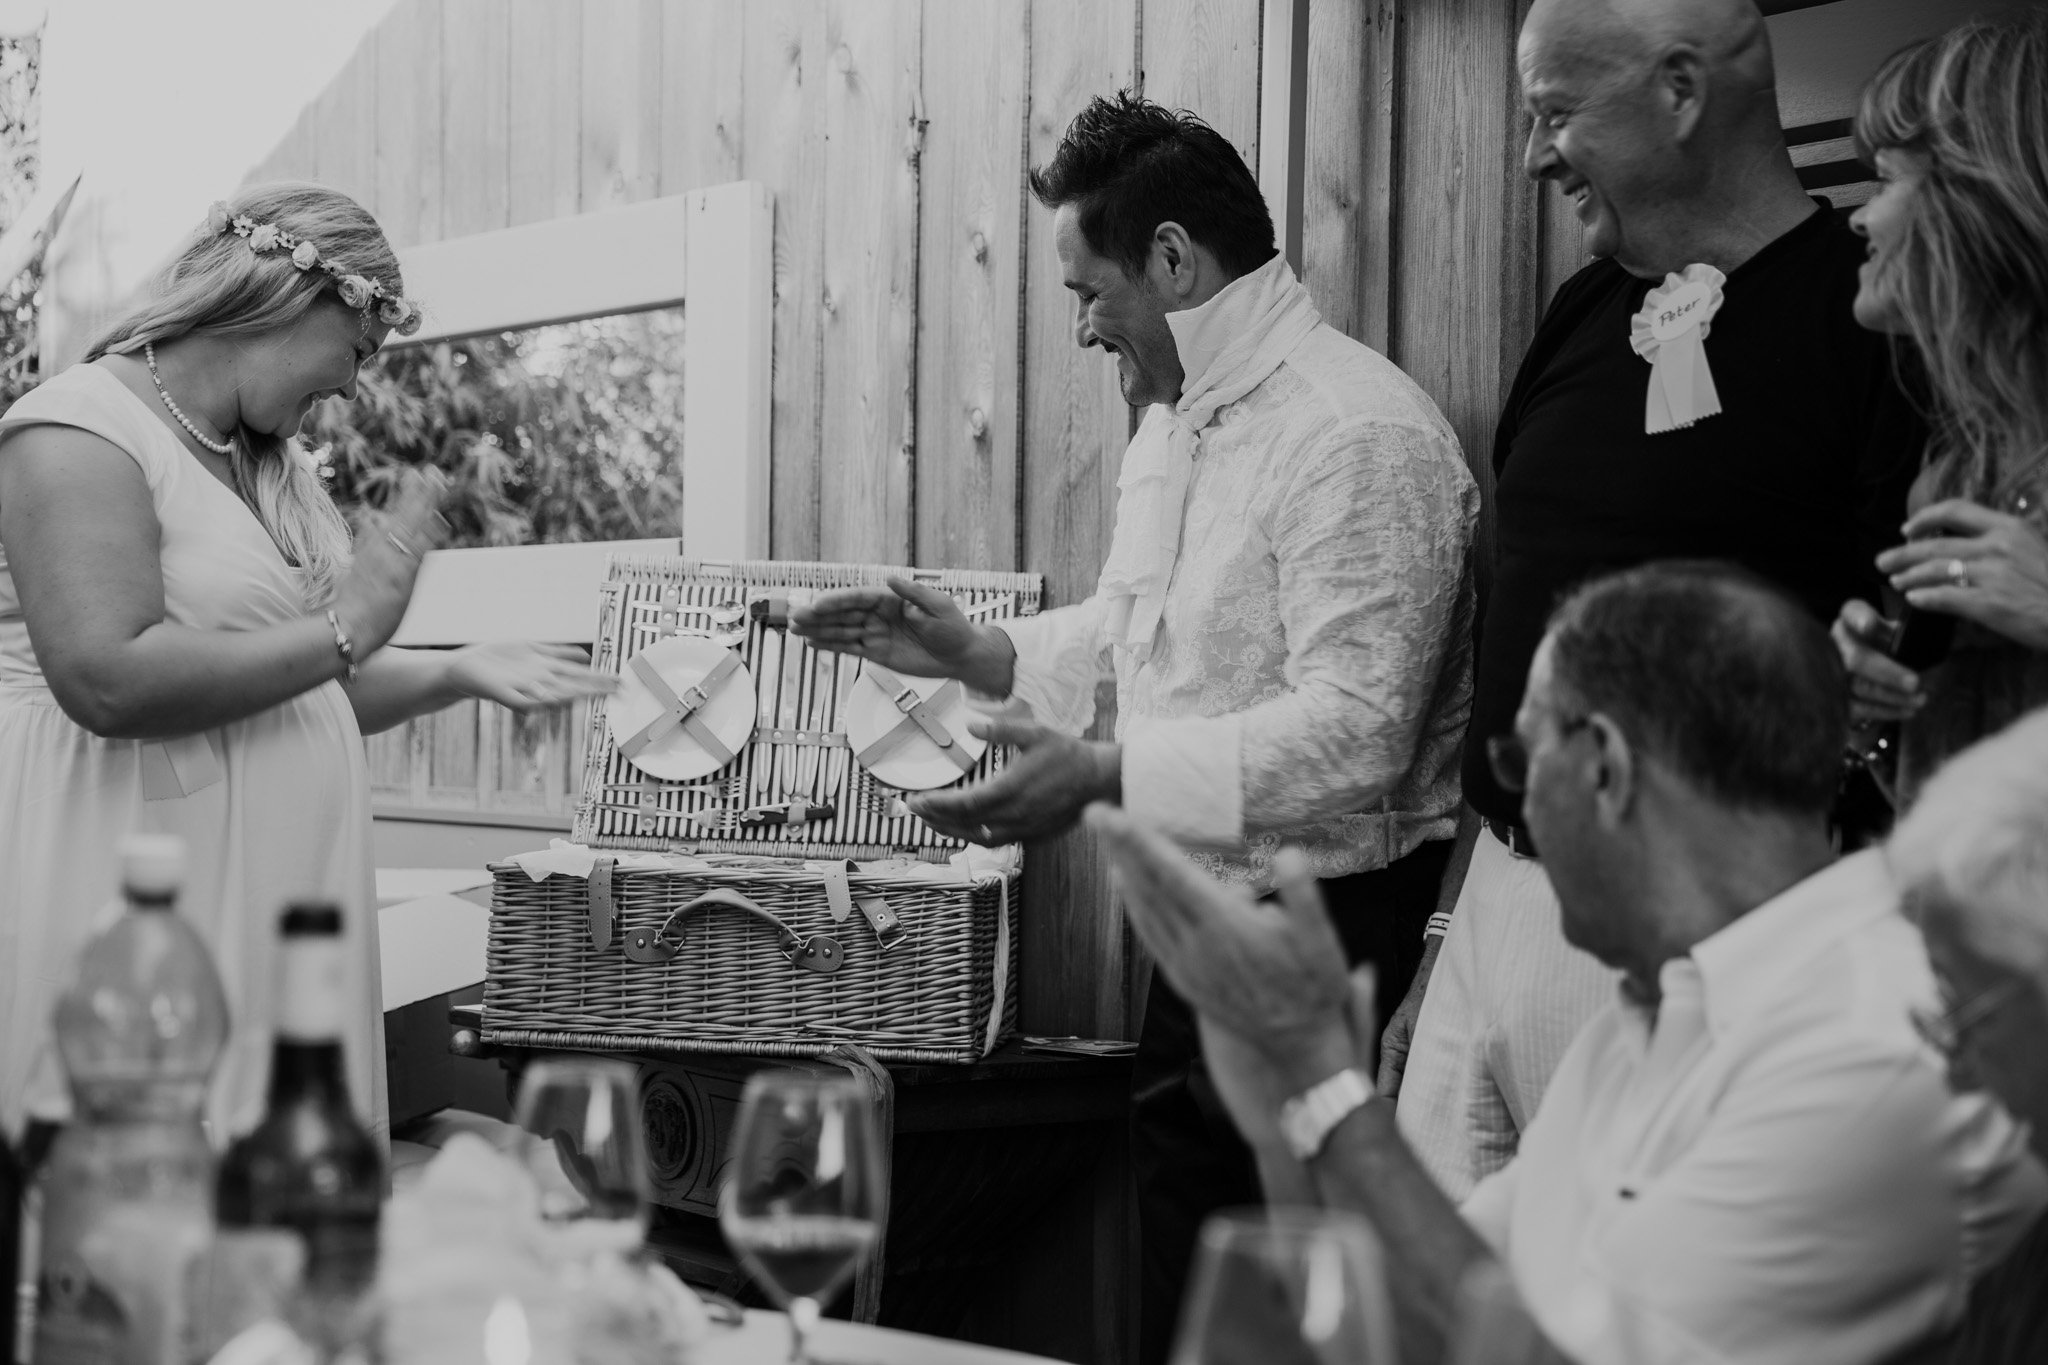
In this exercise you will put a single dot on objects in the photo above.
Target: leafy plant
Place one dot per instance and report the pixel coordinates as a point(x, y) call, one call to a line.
point(564, 433)
point(21, 129)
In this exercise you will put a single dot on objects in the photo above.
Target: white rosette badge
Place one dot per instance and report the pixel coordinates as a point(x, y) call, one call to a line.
point(1669, 331)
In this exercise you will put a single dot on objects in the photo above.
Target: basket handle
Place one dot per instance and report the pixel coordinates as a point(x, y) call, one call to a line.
point(818, 953)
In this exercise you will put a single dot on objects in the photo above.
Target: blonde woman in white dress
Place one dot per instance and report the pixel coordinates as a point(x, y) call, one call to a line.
point(190, 644)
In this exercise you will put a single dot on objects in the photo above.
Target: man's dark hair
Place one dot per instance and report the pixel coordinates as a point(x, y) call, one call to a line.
point(1717, 673)
point(1129, 165)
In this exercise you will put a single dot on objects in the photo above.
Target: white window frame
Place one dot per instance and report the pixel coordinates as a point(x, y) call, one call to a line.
point(711, 250)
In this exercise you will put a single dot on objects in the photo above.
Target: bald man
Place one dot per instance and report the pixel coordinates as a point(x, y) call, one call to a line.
point(1659, 118)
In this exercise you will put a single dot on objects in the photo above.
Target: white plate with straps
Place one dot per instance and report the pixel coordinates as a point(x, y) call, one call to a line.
point(911, 733)
point(685, 707)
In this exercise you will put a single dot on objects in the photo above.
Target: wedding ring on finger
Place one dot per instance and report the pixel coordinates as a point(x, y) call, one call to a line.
point(985, 834)
point(1959, 573)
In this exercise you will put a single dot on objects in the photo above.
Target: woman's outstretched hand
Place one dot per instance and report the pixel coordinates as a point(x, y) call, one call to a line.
point(526, 677)
point(372, 599)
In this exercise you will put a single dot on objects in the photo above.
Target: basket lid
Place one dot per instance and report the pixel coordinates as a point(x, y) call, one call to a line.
point(800, 785)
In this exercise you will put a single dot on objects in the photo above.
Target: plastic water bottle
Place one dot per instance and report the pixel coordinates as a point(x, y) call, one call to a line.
point(128, 1187)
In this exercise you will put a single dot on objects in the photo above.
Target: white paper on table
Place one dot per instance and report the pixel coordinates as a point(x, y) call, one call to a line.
point(764, 1340)
point(429, 946)
point(410, 883)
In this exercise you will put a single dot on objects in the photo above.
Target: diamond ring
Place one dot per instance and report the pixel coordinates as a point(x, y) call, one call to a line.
point(1959, 573)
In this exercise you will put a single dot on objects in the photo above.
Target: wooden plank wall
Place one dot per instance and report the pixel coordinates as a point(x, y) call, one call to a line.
point(929, 404)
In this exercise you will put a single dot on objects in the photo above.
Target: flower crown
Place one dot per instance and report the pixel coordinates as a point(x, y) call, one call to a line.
point(394, 310)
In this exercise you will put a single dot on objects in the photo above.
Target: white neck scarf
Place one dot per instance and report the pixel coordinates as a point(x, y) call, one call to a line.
point(1228, 347)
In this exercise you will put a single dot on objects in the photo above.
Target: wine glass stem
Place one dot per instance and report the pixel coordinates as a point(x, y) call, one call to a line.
point(803, 1319)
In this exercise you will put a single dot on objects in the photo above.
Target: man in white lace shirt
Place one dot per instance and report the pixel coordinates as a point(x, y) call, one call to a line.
point(1286, 602)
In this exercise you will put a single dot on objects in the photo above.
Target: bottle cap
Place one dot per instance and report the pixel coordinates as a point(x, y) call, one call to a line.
point(152, 865)
point(310, 919)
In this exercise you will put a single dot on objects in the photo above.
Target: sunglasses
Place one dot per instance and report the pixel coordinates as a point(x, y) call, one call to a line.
point(1508, 756)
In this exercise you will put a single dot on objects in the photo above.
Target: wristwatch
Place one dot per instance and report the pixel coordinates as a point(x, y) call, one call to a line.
point(1307, 1120)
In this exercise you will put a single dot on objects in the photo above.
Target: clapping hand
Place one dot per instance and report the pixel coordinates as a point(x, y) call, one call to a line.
point(1271, 973)
point(372, 599)
point(909, 628)
point(1969, 561)
point(526, 677)
point(1276, 1010)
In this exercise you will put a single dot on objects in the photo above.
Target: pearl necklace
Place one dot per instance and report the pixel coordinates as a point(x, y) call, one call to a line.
point(217, 447)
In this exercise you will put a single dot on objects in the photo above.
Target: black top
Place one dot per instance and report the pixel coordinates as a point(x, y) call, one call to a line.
point(1801, 477)
point(2007, 1320)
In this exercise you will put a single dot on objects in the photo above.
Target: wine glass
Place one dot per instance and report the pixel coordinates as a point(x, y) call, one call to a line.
point(804, 1195)
point(579, 1122)
point(1286, 1286)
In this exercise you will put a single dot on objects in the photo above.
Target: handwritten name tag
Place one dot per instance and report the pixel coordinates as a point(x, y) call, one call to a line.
point(1669, 331)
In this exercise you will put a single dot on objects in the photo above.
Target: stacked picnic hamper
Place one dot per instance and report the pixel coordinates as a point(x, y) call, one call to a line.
point(744, 876)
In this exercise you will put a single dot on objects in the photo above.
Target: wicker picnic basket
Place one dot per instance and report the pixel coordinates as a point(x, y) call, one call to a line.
point(668, 924)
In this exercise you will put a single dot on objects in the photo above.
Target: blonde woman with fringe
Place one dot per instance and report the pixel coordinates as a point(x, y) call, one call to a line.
point(190, 644)
point(1958, 129)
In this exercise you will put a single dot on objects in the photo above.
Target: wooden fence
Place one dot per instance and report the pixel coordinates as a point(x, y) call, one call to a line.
point(929, 404)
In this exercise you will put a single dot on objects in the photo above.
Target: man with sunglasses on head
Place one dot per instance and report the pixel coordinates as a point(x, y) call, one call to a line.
point(1748, 1154)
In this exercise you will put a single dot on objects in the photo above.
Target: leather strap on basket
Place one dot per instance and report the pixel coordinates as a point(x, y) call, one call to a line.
point(819, 953)
point(918, 717)
point(680, 710)
point(875, 909)
point(601, 914)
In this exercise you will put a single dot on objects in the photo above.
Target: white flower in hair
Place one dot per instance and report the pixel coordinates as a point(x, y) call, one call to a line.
point(357, 291)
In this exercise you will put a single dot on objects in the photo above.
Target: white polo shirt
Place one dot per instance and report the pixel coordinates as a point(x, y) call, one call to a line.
point(1774, 1168)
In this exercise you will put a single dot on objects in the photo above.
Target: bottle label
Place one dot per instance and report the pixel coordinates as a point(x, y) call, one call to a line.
point(246, 1276)
point(341, 1249)
point(126, 1210)
point(79, 1320)
point(311, 1003)
point(121, 1294)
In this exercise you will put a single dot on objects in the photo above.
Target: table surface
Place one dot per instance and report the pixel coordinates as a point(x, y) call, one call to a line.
point(764, 1340)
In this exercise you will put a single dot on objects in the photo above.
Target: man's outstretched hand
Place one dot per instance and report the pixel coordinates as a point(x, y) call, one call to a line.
point(1046, 786)
point(911, 629)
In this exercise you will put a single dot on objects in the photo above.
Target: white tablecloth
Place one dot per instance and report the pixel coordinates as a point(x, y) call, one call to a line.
point(764, 1340)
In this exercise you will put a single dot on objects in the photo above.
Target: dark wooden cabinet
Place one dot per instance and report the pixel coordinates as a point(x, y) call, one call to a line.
point(1010, 1219)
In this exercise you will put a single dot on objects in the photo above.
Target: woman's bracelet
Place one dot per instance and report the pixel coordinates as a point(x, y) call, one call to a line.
point(344, 647)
